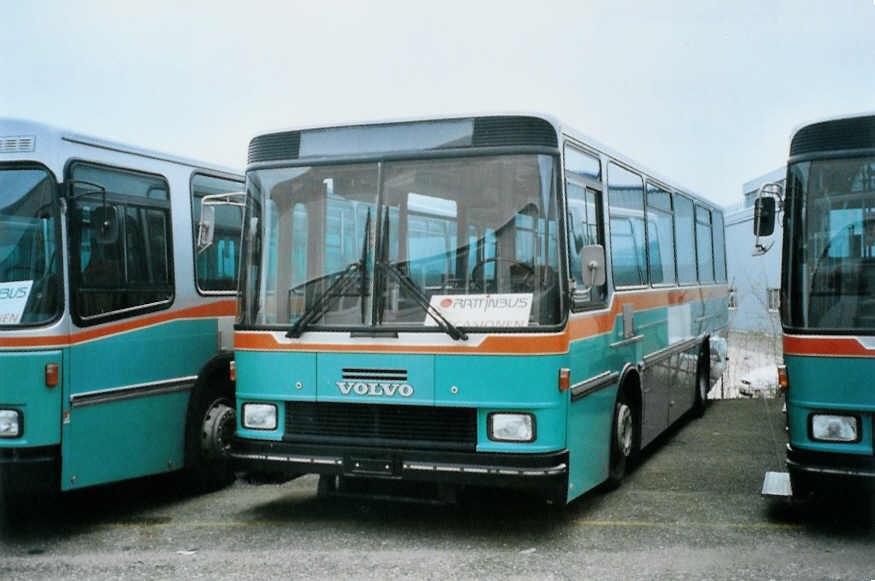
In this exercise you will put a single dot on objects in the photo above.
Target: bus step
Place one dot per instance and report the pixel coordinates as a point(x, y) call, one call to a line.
point(777, 484)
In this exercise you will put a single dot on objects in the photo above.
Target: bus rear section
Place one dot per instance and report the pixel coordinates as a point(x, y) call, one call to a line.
point(431, 301)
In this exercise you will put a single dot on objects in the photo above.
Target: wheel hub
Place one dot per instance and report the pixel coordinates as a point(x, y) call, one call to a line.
point(217, 429)
point(624, 430)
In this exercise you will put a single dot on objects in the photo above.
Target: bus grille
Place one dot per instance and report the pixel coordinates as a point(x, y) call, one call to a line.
point(399, 426)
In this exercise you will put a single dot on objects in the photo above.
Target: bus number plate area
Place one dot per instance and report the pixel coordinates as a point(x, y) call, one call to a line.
point(385, 466)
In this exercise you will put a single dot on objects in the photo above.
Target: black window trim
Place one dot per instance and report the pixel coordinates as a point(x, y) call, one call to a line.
point(197, 287)
point(73, 254)
point(59, 258)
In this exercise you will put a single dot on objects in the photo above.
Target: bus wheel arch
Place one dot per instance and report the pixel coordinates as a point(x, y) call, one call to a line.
point(210, 423)
point(625, 438)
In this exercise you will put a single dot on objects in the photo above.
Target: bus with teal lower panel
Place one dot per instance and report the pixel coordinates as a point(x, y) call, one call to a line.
point(115, 332)
point(494, 300)
point(828, 302)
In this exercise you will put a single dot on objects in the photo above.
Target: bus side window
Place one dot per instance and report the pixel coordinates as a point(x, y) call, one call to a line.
point(131, 269)
point(704, 249)
point(216, 267)
point(626, 202)
point(660, 237)
point(685, 239)
point(584, 229)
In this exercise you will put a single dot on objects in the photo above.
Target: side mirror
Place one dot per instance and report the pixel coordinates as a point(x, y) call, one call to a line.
point(106, 224)
point(206, 228)
point(764, 216)
point(592, 265)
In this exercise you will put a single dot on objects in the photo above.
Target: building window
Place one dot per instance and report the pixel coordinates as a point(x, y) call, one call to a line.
point(773, 296)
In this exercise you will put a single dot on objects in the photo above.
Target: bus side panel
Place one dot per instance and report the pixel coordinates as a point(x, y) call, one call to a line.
point(590, 417)
point(23, 387)
point(143, 435)
point(825, 384)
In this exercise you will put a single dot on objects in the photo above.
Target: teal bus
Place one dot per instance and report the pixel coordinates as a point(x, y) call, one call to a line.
point(828, 302)
point(115, 333)
point(488, 301)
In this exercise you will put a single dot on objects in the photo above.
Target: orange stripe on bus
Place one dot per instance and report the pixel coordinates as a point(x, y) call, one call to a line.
point(214, 309)
point(579, 327)
point(826, 347)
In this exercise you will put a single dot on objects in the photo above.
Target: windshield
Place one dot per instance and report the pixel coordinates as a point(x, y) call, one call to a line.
point(474, 237)
point(830, 253)
point(29, 285)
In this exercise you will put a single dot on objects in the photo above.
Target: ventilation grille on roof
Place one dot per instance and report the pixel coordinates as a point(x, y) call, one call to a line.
point(17, 144)
point(275, 146)
point(499, 131)
point(855, 133)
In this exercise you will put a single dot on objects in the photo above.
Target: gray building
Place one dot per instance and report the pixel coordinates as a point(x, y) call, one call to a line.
point(753, 280)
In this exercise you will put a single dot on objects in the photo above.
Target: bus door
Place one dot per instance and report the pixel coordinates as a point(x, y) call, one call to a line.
point(131, 364)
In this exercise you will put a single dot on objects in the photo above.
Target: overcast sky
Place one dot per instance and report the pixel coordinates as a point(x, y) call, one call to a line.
point(704, 92)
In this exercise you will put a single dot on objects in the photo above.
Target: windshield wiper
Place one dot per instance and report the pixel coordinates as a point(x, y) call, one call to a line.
point(315, 311)
point(404, 280)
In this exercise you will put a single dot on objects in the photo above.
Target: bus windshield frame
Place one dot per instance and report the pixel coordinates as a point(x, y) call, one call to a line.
point(387, 223)
point(829, 246)
point(30, 247)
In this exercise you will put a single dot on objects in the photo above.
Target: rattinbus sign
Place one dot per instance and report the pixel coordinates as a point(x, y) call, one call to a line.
point(13, 298)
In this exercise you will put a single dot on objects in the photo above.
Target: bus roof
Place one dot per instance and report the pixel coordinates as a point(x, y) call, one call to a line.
point(13, 127)
point(560, 128)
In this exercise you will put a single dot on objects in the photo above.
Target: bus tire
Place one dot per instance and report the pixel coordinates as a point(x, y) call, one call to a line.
point(210, 425)
point(623, 439)
point(703, 378)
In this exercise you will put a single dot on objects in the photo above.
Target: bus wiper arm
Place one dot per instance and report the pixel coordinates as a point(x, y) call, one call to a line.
point(315, 311)
point(404, 279)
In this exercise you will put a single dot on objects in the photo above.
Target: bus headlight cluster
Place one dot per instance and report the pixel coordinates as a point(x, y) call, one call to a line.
point(505, 427)
point(10, 423)
point(259, 416)
point(835, 428)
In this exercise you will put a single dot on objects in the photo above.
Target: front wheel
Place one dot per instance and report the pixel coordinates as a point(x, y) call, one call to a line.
point(622, 440)
point(210, 426)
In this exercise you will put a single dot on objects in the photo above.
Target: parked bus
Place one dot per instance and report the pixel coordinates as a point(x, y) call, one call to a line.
point(427, 301)
point(115, 337)
point(827, 301)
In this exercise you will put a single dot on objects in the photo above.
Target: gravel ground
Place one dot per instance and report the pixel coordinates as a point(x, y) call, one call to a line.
point(691, 509)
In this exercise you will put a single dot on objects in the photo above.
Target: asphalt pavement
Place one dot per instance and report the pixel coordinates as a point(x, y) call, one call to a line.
point(690, 509)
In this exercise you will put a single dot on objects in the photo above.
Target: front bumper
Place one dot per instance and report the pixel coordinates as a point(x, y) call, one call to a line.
point(545, 472)
point(30, 470)
point(822, 466)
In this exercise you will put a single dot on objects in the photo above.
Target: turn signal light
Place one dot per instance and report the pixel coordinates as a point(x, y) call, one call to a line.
point(232, 371)
point(783, 379)
point(564, 379)
point(51, 374)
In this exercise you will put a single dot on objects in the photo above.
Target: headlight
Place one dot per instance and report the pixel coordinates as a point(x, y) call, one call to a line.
point(511, 427)
point(10, 423)
point(834, 428)
point(259, 416)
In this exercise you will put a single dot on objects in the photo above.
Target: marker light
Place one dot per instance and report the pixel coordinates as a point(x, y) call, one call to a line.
point(51, 374)
point(564, 379)
point(259, 416)
point(10, 423)
point(834, 428)
point(783, 378)
point(511, 427)
point(232, 371)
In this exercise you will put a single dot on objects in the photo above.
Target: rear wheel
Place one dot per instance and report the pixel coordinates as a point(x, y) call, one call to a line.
point(623, 439)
